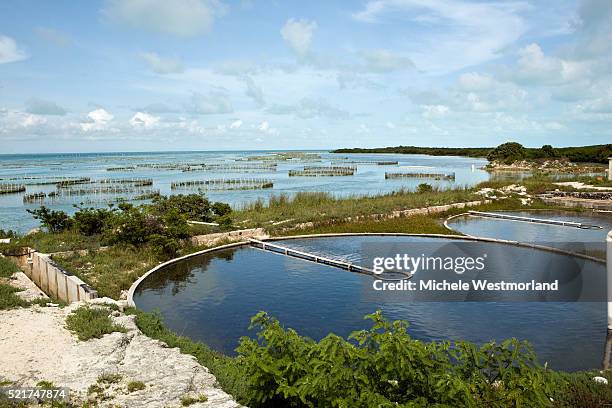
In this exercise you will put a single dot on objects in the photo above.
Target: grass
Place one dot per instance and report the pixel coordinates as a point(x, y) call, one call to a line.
point(9, 299)
point(91, 322)
point(57, 242)
point(109, 378)
point(187, 400)
point(7, 267)
point(134, 386)
point(321, 207)
point(112, 270)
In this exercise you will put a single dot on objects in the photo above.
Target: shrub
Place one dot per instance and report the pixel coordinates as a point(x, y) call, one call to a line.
point(424, 188)
point(164, 247)
point(507, 153)
point(129, 225)
point(7, 267)
point(194, 207)
point(91, 322)
point(90, 221)
point(221, 209)
point(54, 221)
point(384, 366)
point(135, 386)
point(187, 400)
point(8, 234)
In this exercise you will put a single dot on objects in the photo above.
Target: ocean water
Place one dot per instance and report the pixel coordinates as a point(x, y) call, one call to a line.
point(368, 179)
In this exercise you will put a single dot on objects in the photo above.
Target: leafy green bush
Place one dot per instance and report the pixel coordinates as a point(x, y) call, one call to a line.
point(384, 367)
point(90, 221)
point(194, 207)
point(130, 225)
point(424, 188)
point(507, 153)
point(54, 221)
point(91, 322)
point(164, 247)
point(221, 209)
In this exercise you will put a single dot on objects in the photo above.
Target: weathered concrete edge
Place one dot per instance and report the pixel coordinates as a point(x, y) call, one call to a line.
point(132, 290)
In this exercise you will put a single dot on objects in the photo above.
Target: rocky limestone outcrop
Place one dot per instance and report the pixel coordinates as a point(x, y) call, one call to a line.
point(36, 346)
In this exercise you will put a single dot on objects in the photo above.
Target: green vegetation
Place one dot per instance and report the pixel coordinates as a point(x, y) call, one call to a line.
point(112, 270)
point(187, 400)
point(91, 322)
point(134, 386)
point(109, 378)
point(7, 267)
point(382, 366)
point(47, 385)
point(282, 212)
point(580, 154)
point(9, 299)
point(162, 224)
point(507, 153)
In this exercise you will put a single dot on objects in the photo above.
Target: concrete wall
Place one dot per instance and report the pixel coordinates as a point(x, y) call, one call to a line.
point(52, 279)
point(238, 235)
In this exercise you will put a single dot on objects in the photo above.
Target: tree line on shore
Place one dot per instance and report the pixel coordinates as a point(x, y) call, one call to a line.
point(505, 151)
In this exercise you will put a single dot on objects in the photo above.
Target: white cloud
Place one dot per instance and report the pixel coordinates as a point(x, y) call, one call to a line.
point(264, 126)
point(435, 111)
point(39, 106)
point(383, 60)
point(298, 34)
point(475, 82)
point(97, 120)
point(254, 92)
point(214, 102)
point(308, 108)
point(143, 120)
point(450, 35)
point(235, 124)
point(9, 51)
point(183, 18)
point(162, 65)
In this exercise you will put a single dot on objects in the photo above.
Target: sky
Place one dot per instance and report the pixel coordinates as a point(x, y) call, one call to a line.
point(147, 75)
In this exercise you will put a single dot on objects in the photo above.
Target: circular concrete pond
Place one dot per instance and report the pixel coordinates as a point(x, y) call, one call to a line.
point(211, 298)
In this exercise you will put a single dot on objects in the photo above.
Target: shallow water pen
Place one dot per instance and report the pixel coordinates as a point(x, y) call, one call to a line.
point(12, 188)
point(435, 176)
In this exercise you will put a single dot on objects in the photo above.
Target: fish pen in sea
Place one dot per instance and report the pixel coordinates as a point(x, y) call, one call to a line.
point(126, 168)
point(9, 188)
point(234, 168)
point(435, 176)
point(98, 190)
point(34, 198)
point(323, 171)
point(73, 181)
point(136, 182)
point(224, 184)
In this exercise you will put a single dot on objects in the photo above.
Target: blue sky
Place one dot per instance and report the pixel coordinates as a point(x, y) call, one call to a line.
point(139, 75)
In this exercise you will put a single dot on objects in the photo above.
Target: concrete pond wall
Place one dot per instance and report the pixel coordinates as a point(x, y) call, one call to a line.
point(56, 282)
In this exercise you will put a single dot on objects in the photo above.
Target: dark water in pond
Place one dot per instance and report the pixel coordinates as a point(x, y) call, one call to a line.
point(212, 297)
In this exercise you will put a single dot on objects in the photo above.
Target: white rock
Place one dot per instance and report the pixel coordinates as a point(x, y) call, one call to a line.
point(600, 380)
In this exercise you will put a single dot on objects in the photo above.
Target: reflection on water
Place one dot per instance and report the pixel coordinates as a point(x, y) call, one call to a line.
point(212, 297)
